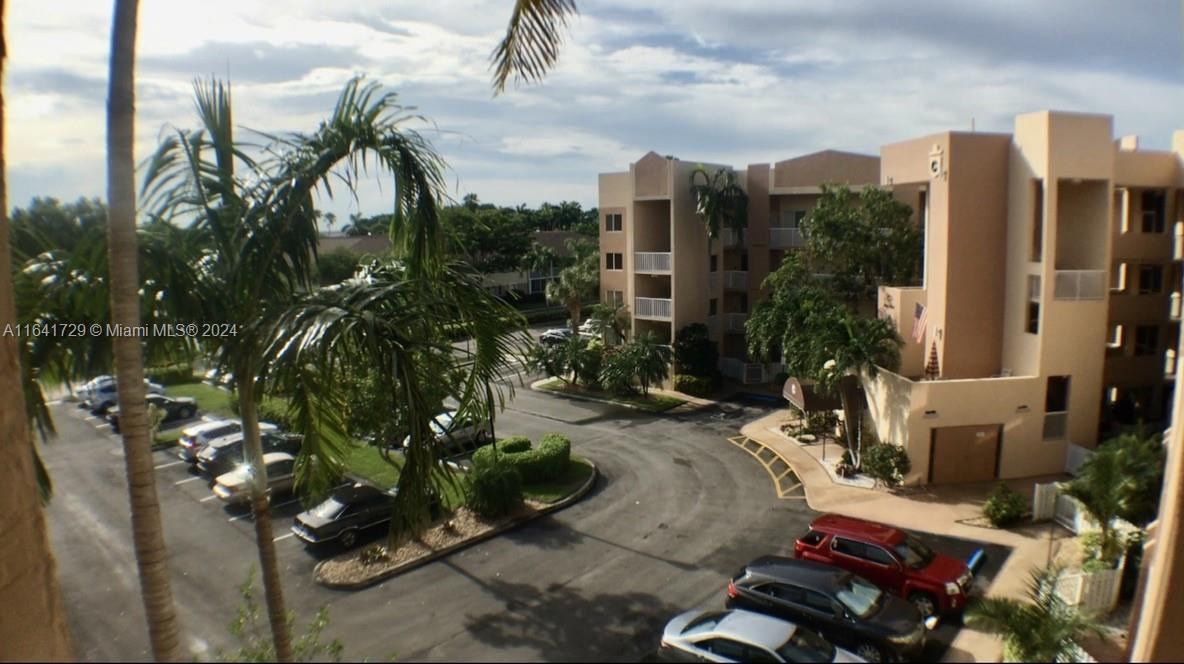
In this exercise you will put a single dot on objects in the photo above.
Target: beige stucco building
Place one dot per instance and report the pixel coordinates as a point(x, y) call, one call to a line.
point(1051, 291)
point(655, 254)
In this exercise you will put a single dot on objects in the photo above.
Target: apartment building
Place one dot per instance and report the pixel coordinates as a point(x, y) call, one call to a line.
point(1050, 303)
point(657, 259)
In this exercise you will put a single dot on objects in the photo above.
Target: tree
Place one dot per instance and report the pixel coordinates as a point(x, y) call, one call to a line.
point(863, 241)
point(28, 573)
point(1098, 487)
point(719, 200)
point(610, 317)
point(574, 284)
point(531, 45)
point(653, 359)
point(147, 531)
point(336, 266)
point(1042, 629)
point(695, 353)
point(821, 339)
point(539, 258)
point(491, 239)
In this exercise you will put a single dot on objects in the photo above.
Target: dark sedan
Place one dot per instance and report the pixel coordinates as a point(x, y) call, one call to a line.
point(846, 609)
point(175, 408)
point(348, 511)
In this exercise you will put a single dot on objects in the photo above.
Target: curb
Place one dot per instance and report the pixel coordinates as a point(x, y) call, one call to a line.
point(576, 496)
point(583, 397)
point(783, 493)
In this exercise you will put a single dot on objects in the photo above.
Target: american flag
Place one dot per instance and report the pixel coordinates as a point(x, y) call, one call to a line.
point(920, 315)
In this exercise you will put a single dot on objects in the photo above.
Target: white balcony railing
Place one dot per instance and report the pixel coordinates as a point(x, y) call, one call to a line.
point(1169, 363)
point(735, 322)
point(713, 282)
point(1079, 284)
point(1055, 425)
point(780, 238)
point(736, 280)
point(1175, 306)
point(1178, 241)
point(748, 373)
point(653, 262)
point(657, 308)
point(729, 236)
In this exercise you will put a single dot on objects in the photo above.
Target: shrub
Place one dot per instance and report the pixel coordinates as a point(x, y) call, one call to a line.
point(170, 374)
point(543, 463)
point(276, 412)
point(374, 554)
point(887, 463)
point(1005, 507)
point(695, 352)
point(617, 371)
point(821, 423)
point(493, 488)
point(846, 465)
point(696, 386)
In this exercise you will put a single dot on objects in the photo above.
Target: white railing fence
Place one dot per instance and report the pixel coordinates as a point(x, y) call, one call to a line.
point(736, 279)
point(1079, 284)
point(1092, 592)
point(651, 261)
point(780, 237)
point(1075, 455)
point(652, 307)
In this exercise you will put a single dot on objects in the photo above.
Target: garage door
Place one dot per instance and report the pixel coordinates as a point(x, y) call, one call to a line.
point(964, 454)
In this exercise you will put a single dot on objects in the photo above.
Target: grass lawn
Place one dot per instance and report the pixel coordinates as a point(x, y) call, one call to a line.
point(367, 461)
point(554, 491)
point(654, 403)
point(210, 399)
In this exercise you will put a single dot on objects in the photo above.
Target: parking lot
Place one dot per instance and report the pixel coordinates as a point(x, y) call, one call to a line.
point(677, 510)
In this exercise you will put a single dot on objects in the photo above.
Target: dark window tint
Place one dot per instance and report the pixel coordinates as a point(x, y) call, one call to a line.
point(819, 602)
point(760, 655)
point(812, 538)
point(1153, 211)
point(847, 547)
point(724, 648)
point(713, 263)
point(786, 593)
point(1150, 279)
point(280, 468)
point(1146, 340)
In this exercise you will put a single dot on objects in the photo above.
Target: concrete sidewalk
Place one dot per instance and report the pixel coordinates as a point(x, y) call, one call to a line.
point(943, 510)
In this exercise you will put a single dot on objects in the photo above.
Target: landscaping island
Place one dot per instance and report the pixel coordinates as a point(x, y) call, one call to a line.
point(653, 403)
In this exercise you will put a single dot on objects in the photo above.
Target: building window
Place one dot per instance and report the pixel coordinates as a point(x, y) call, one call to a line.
point(713, 263)
point(613, 222)
point(1146, 339)
point(1032, 320)
point(1115, 340)
point(1056, 394)
point(1118, 278)
point(744, 261)
point(712, 306)
point(1038, 221)
point(792, 218)
point(1153, 211)
point(744, 303)
point(614, 297)
point(614, 261)
point(1150, 279)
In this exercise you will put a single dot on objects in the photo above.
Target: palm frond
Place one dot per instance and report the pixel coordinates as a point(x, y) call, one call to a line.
point(530, 47)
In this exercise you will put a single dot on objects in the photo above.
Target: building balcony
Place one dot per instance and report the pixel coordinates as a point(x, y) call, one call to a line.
point(1178, 242)
point(1170, 365)
point(651, 262)
point(653, 308)
point(734, 322)
point(736, 280)
point(729, 237)
point(1079, 284)
point(713, 282)
point(749, 373)
point(782, 238)
point(1175, 306)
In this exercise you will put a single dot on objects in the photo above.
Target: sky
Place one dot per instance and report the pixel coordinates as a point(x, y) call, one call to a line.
point(739, 82)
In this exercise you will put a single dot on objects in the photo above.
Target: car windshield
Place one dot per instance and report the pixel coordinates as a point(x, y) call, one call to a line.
point(914, 552)
point(441, 423)
point(860, 597)
point(806, 646)
point(330, 509)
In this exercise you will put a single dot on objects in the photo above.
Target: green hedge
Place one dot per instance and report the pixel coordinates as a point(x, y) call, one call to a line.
point(544, 463)
point(493, 489)
point(887, 462)
point(171, 374)
point(1005, 507)
point(696, 386)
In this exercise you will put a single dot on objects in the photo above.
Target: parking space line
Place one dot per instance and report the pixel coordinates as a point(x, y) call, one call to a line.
point(283, 537)
point(207, 498)
point(187, 480)
point(170, 464)
point(274, 507)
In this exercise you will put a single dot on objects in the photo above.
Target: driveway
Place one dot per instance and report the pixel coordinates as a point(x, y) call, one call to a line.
point(676, 511)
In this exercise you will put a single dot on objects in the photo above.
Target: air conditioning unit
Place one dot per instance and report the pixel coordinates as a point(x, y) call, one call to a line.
point(936, 162)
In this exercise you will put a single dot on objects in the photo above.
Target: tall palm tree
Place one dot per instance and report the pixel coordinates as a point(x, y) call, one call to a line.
point(574, 284)
point(720, 201)
point(1042, 629)
point(652, 360)
point(147, 531)
point(28, 573)
point(859, 347)
point(610, 317)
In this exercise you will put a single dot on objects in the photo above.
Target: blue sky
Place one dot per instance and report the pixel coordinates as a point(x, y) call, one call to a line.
point(748, 81)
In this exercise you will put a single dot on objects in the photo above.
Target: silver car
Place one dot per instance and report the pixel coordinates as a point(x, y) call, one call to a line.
point(457, 435)
point(235, 487)
point(744, 636)
point(196, 437)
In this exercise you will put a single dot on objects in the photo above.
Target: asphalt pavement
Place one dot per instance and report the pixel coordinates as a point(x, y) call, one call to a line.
point(676, 511)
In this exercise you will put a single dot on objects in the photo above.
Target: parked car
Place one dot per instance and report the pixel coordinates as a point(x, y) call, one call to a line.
point(347, 511)
point(103, 395)
point(195, 438)
point(892, 559)
point(226, 453)
point(745, 636)
point(175, 408)
point(84, 390)
point(458, 435)
point(849, 611)
point(218, 378)
point(560, 335)
point(234, 487)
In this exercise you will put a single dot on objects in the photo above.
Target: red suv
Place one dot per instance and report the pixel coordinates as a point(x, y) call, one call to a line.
point(892, 559)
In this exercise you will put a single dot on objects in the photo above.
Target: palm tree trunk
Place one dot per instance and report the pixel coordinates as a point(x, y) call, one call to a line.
point(36, 630)
point(849, 419)
point(273, 590)
point(147, 532)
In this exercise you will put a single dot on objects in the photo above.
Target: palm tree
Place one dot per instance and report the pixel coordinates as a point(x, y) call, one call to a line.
point(574, 284)
point(860, 346)
point(1042, 629)
point(610, 317)
point(28, 573)
point(652, 360)
point(1100, 487)
point(719, 200)
point(531, 45)
point(147, 531)
point(539, 258)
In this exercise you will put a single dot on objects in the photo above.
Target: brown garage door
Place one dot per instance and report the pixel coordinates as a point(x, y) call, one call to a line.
point(964, 454)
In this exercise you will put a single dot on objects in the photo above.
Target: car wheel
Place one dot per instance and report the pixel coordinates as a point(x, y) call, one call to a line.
point(188, 412)
point(348, 538)
point(870, 652)
point(924, 603)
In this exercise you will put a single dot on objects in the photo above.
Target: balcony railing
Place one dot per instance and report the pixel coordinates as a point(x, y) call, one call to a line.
point(1174, 308)
point(736, 280)
point(1079, 284)
point(713, 282)
point(657, 308)
point(735, 322)
point(652, 262)
point(730, 237)
point(1169, 363)
point(1055, 425)
point(748, 373)
point(712, 326)
point(1178, 241)
point(780, 238)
